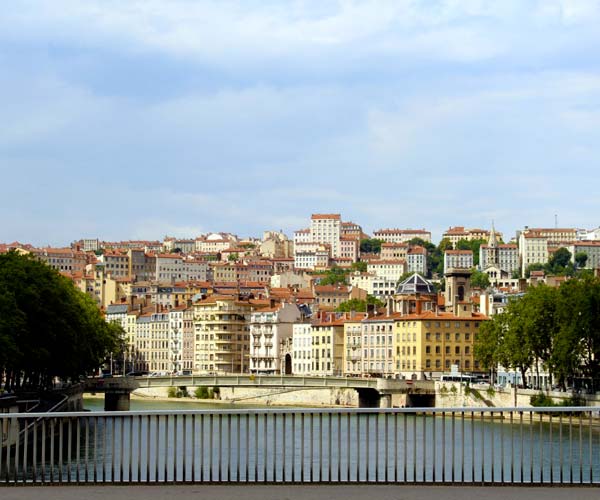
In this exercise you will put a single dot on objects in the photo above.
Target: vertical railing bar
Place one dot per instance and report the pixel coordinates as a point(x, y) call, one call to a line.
point(193, 465)
point(386, 450)
point(302, 468)
point(522, 447)
point(396, 459)
point(590, 447)
point(472, 446)
point(239, 449)
point(256, 447)
point(405, 447)
point(43, 457)
point(17, 450)
point(423, 426)
point(52, 433)
point(329, 475)
point(512, 448)
point(339, 434)
point(183, 448)
point(283, 447)
point(78, 449)
point(166, 452)
point(433, 447)
point(112, 450)
point(265, 447)
point(219, 449)
point(443, 445)
point(201, 455)
point(311, 447)
point(357, 420)
point(541, 439)
point(247, 447)
point(175, 455)
point(139, 454)
point(35, 449)
point(60, 450)
point(560, 447)
point(415, 447)
point(571, 473)
point(69, 445)
point(531, 424)
point(453, 461)
point(376, 464)
point(367, 447)
point(492, 457)
point(121, 449)
point(580, 447)
point(274, 447)
point(502, 447)
point(294, 476)
point(321, 461)
point(482, 449)
point(25, 446)
point(148, 420)
point(228, 416)
point(3, 423)
point(157, 449)
point(462, 448)
point(349, 451)
point(551, 452)
point(95, 455)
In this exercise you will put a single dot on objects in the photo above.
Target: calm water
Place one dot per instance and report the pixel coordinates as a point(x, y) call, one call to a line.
point(302, 446)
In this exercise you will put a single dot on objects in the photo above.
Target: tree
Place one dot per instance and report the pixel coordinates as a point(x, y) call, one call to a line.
point(488, 343)
point(334, 276)
point(359, 266)
point(48, 328)
point(560, 263)
point(581, 259)
point(370, 245)
point(472, 245)
point(233, 257)
point(533, 267)
point(359, 305)
point(480, 280)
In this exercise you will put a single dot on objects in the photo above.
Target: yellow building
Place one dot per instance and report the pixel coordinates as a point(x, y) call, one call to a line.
point(222, 334)
point(352, 364)
point(430, 343)
point(327, 332)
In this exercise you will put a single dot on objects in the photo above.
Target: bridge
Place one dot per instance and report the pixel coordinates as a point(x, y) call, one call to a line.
point(373, 392)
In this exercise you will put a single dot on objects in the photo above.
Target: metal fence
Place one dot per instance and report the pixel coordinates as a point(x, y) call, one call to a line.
point(459, 445)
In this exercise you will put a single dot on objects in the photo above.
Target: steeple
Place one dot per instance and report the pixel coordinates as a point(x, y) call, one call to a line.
point(493, 241)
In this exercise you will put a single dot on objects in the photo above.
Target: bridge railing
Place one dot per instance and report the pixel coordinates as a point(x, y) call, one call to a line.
point(435, 446)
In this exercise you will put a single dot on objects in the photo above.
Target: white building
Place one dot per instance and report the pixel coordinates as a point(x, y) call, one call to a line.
point(401, 235)
point(326, 228)
point(269, 328)
point(417, 260)
point(302, 348)
point(458, 259)
point(391, 270)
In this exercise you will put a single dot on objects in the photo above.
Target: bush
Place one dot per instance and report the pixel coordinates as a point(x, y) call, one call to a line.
point(541, 399)
point(172, 392)
point(177, 392)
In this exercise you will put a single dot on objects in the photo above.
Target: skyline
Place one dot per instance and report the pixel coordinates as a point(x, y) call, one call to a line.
point(142, 119)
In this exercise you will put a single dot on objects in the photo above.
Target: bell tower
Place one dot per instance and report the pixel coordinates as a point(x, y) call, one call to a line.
point(458, 286)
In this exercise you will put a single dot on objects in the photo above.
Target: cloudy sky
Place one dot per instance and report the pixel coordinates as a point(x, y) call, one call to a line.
point(136, 119)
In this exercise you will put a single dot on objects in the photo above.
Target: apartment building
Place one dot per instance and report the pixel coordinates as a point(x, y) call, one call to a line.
point(302, 360)
point(416, 260)
point(391, 270)
point(63, 260)
point(326, 229)
point(327, 342)
point(590, 248)
point(380, 287)
point(269, 328)
point(401, 235)
point(394, 251)
point(378, 347)
point(462, 259)
point(329, 297)
point(457, 233)
point(222, 330)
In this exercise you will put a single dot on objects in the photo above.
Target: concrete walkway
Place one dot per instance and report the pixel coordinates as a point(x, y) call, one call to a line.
point(297, 492)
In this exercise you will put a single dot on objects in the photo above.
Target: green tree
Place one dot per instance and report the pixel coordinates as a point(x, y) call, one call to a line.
point(560, 263)
point(488, 347)
point(48, 328)
point(359, 305)
point(533, 267)
point(480, 280)
point(233, 257)
point(370, 245)
point(359, 266)
point(581, 259)
point(472, 245)
point(334, 276)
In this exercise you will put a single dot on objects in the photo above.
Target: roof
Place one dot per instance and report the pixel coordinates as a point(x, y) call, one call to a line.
point(325, 216)
point(415, 284)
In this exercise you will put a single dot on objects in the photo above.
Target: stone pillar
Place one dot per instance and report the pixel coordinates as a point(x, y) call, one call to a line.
point(385, 401)
point(116, 401)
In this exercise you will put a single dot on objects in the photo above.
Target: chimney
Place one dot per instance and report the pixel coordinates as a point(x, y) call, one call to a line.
point(418, 306)
point(389, 307)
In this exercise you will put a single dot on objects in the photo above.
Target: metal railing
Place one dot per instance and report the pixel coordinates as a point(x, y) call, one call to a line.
point(427, 445)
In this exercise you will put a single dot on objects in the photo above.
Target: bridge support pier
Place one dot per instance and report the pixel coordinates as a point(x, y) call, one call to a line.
point(385, 401)
point(117, 401)
point(368, 398)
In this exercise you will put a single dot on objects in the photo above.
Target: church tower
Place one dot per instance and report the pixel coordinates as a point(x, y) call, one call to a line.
point(492, 248)
point(458, 287)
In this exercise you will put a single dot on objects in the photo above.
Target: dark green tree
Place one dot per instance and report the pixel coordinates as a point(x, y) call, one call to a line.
point(480, 280)
point(359, 305)
point(48, 328)
point(581, 259)
point(370, 245)
point(334, 276)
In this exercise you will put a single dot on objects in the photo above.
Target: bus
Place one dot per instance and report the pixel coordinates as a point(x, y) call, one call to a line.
point(457, 377)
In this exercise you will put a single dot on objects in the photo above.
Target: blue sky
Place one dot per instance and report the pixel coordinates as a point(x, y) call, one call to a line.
point(136, 119)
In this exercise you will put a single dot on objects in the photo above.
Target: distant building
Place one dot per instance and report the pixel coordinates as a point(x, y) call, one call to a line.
point(401, 235)
point(458, 258)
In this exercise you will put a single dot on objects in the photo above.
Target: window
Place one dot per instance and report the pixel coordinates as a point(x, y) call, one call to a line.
point(457, 337)
point(427, 350)
point(448, 337)
point(457, 350)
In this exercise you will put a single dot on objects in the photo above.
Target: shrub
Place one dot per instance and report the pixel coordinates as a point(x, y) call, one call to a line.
point(201, 393)
point(172, 392)
point(541, 399)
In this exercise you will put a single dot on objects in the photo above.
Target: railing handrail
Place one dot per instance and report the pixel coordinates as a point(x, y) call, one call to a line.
point(308, 410)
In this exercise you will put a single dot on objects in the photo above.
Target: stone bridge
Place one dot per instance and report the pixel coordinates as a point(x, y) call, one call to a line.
point(373, 392)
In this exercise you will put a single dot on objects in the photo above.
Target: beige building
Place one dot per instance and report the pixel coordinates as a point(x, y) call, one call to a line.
point(462, 259)
point(391, 270)
point(329, 297)
point(327, 356)
point(457, 233)
point(222, 329)
point(401, 235)
point(394, 251)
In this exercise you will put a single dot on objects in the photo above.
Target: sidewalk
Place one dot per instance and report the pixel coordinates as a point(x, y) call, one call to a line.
point(297, 492)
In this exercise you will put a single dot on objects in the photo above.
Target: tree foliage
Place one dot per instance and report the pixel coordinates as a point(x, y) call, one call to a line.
point(48, 328)
point(480, 280)
point(554, 328)
point(370, 245)
point(334, 276)
point(359, 305)
point(472, 245)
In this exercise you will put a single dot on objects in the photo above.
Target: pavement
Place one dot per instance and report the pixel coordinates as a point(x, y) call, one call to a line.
point(297, 492)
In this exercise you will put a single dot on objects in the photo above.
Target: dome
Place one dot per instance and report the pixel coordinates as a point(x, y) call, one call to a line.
point(415, 284)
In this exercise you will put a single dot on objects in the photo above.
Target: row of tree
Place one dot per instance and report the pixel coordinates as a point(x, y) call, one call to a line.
point(555, 329)
point(48, 328)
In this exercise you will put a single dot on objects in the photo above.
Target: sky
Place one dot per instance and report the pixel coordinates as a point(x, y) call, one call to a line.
point(130, 119)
